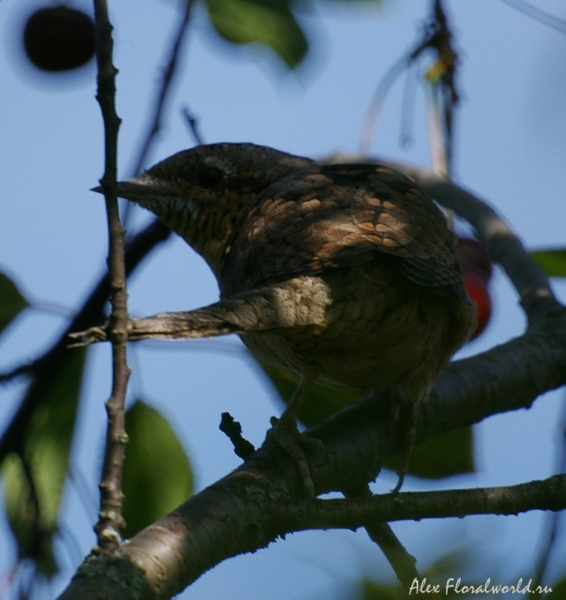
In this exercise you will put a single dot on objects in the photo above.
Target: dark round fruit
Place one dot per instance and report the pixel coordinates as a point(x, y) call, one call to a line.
point(59, 38)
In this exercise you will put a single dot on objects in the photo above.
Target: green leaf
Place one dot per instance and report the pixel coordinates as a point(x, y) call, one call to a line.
point(552, 261)
point(11, 301)
point(437, 574)
point(268, 22)
point(157, 472)
point(559, 589)
point(441, 456)
point(372, 590)
point(320, 402)
point(34, 479)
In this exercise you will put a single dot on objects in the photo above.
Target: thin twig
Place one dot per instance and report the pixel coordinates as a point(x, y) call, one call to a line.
point(408, 109)
point(402, 563)
point(166, 82)
point(110, 516)
point(233, 430)
point(24, 369)
point(438, 37)
point(169, 73)
point(549, 494)
point(442, 94)
point(551, 523)
point(374, 110)
point(193, 125)
point(437, 141)
point(538, 14)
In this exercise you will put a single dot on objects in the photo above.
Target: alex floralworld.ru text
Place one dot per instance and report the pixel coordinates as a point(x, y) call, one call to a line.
point(455, 586)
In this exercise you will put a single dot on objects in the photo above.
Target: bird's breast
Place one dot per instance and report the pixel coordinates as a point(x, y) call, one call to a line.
point(378, 329)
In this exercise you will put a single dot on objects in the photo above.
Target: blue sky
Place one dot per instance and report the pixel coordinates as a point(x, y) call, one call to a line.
point(510, 146)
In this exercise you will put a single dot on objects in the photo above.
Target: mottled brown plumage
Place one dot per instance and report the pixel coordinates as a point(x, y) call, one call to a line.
point(345, 272)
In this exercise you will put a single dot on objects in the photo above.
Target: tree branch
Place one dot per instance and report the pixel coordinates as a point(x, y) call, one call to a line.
point(549, 494)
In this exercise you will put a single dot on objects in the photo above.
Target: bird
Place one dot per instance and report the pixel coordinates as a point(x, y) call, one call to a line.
point(346, 274)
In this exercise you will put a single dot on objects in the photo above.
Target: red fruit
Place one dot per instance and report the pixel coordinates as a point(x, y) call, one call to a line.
point(59, 38)
point(475, 253)
point(476, 271)
point(476, 287)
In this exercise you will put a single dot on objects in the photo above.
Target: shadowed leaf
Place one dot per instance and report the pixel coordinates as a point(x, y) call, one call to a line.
point(441, 456)
point(268, 22)
point(559, 589)
point(321, 401)
point(34, 478)
point(11, 301)
point(157, 472)
point(437, 581)
point(552, 261)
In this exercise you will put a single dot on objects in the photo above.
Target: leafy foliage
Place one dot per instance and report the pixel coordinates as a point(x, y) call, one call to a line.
point(157, 472)
point(431, 584)
point(441, 456)
point(34, 477)
point(559, 589)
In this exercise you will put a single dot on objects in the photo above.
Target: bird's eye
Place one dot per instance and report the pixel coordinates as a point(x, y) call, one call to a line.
point(210, 176)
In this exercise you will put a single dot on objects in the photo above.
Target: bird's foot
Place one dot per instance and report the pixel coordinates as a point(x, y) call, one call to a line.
point(406, 449)
point(285, 433)
point(402, 468)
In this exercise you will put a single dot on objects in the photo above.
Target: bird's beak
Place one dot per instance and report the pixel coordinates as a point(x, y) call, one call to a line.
point(141, 188)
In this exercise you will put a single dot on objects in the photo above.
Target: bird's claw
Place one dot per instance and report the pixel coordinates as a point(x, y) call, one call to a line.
point(285, 433)
point(406, 448)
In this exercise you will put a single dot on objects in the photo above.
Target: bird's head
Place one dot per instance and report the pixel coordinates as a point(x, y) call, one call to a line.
point(200, 193)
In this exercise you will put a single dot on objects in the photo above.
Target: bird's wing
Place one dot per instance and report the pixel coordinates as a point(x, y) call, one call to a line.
point(268, 308)
point(333, 216)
